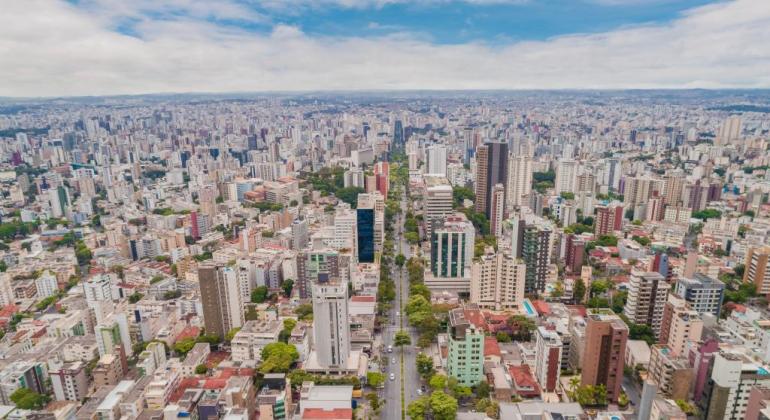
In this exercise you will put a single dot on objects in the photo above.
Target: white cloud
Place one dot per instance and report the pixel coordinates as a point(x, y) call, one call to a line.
point(50, 48)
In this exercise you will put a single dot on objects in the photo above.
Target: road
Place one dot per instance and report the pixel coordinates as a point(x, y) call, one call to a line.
point(410, 380)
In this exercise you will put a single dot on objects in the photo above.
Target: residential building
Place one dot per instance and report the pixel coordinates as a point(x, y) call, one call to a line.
point(647, 294)
point(465, 357)
point(331, 326)
point(221, 299)
point(548, 346)
point(704, 294)
point(452, 247)
point(438, 201)
point(566, 176)
point(732, 378)
point(247, 344)
point(757, 270)
point(491, 169)
point(497, 281)
point(608, 219)
point(519, 181)
point(68, 380)
point(605, 346)
point(536, 253)
point(672, 374)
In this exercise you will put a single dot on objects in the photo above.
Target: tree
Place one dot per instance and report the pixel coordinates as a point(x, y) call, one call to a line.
point(135, 297)
point(201, 369)
point(418, 408)
point(304, 312)
point(437, 382)
point(184, 346)
point(424, 365)
point(483, 389)
point(503, 337)
point(287, 286)
point(278, 357)
point(374, 402)
point(28, 399)
point(579, 291)
point(259, 294)
point(400, 260)
point(375, 379)
point(402, 339)
point(231, 334)
point(412, 237)
point(443, 406)
point(349, 195)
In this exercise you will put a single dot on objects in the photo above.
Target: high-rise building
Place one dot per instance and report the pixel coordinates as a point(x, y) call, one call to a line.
point(221, 299)
point(382, 177)
point(704, 294)
point(491, 169)
point(608, 219)
point(730, 130)
point(319, 266)
point(757, 270)
point(574, 253)
point(673, 187)
point(640, 189)
point(536, 253)
point(605, 348)
point(727, 392)
point(376, 202)
point(331, 326)
point(566, 176)
point(353, 178)
point(647, 295)
point(68, 380)
point(497, 282)
point(452, 245)
point(365, 235)
point(436, 164)
point(519, 181)
point(438, 201)
point(497, 211)
point(299, 234)
point(465, 359)
point(345, 232)
point(548, 348)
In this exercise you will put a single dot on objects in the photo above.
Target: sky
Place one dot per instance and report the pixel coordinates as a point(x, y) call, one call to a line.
point(106, 47)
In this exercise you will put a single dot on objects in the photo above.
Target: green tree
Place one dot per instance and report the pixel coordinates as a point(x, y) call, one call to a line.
point(201, 369)
point(28, 399)
point(418, 408)
point(278, 357)
point(349, 195)
point(184, 346)
point(579, 291)
point(400, 260)
point(419, 289)
point(375, 379)
point(231, 334)
point(288, 327)
point(443, 406)
point(424, 365)
point(402, 339)
point(503, 337)
point(259, 294)
point(304, 312)
point(483, 389)
point(135, 297)
point(287, 286)
point(374, 402)
point(438, 382)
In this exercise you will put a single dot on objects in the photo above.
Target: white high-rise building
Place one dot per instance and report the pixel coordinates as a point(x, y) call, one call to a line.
point(519, 181)
point(566, 176)
point(730, 130)
point(6, 293)
point(331, 326)
point(46, 285)
point(647, 295)
point(497, 282)
point(438, 200)
point(345, 237)
point(436, 160)
point(548, 352)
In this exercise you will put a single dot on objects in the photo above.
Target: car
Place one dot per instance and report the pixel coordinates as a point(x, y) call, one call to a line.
point(392, 376)
point(422, 388)
point(419, 392)
point(393, 360)
point(398, 313)
point(390, 349)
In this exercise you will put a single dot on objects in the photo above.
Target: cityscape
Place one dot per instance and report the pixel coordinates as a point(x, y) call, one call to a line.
point(385, 209)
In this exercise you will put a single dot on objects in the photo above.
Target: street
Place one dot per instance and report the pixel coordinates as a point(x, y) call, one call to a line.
point(410, 380)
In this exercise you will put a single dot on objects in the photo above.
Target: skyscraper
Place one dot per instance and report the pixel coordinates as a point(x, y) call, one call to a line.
point(519, 181)
point(566, 176)
point(758, 269)
point(221, 299)
point(536, 253)
point(436, 164)
point(608, 219)
point(548, 347)
point(605, 348)
point(491, 169)
point(497, 282)
point(497, 210)
point(331, 327)
point(647, 294)
point(465, 358)
point(365, 235)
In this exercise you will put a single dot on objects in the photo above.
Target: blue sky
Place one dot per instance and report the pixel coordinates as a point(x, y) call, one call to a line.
point(96, 47)
point(459, 22)
point(437, 21)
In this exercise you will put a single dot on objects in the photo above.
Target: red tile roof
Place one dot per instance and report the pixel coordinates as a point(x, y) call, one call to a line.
point(215, 383)
point(524, 382)
point(491, 348)
point(475, 317)
point(188, 332)
point(321, 414)
point(541, 307)
point(363, 298)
